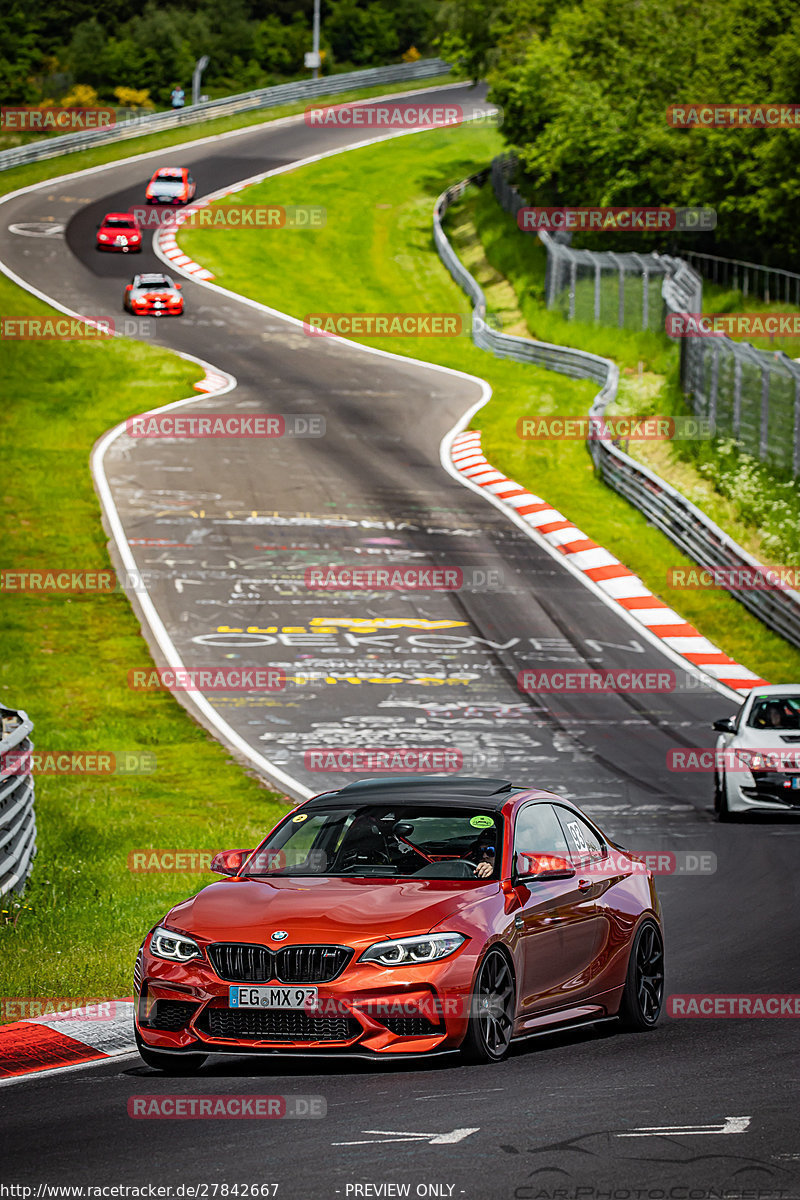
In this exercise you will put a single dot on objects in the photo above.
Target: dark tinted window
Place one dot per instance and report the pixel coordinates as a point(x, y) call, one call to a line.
point(538, 831)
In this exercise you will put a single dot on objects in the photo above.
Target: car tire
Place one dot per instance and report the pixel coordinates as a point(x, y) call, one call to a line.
point(643, 995)
point(170, 1064)
point(492, 1010)
point(721, 806)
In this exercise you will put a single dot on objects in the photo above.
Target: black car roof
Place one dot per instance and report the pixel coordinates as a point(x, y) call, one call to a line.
point(422, 789)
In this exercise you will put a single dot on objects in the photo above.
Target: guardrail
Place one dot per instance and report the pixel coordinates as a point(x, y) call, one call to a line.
point(683, 522)
point(282, 93)
point(17, 819)
point(739, 274)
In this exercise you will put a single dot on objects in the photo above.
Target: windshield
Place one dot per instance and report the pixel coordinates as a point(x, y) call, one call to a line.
point(407, 840)
point(169, 186)
point(775, 712)
point(154, 281)
point(120, 222)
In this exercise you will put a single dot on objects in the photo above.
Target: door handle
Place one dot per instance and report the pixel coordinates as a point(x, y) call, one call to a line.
point(584, 885)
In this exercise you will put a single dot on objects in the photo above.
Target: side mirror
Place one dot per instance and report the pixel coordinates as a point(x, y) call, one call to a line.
point(725, 725)
point(129, 287)
point(229, 862)
point(179, 286)
point(529, 864)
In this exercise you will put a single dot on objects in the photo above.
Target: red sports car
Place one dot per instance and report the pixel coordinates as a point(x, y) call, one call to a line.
point(171, 185)
point(403, 916)
point(119, 231)
point(155, 295)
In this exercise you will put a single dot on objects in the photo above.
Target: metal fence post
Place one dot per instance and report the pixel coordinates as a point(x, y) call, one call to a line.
point(764, 427)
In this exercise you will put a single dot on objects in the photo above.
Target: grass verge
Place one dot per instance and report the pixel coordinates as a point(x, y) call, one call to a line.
point(376, 254)
point(75, 930)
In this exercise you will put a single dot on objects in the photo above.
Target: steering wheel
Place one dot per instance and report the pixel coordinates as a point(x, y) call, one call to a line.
point(354, 858)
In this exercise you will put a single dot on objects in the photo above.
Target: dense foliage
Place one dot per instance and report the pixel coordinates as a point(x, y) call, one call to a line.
point(49, 46)
point(585, 86)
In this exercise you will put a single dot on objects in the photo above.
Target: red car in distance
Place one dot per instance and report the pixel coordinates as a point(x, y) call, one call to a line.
point(119, 231)
point(405, 916)
point(171, 185)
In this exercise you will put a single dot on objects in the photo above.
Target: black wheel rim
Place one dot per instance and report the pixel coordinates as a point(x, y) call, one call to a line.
point(494, 998)
point(650, 973)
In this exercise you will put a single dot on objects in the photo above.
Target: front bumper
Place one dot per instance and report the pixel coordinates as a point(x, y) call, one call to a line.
point(149, 310)
point(774, 791)
point(368, 1010)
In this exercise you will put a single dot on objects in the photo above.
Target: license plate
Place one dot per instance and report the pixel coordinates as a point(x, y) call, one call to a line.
point(796, 782)
point(271, 997)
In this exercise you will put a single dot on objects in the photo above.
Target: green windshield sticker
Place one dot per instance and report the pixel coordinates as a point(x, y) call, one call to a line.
point(482, 822)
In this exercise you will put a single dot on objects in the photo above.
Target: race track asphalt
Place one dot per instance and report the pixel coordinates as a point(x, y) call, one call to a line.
point(236, 525)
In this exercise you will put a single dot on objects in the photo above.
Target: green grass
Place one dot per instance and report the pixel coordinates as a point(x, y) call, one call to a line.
point(18, 177)
point(75, 930)
point(376, 254)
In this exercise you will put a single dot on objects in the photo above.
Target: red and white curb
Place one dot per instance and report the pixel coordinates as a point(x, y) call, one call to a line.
point(166, 238)
point(212, 381)
point(66, 1039)
point(616, 581)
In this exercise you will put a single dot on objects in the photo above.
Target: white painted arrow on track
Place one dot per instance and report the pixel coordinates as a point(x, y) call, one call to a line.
point(396, 1135)
point(731, 1125)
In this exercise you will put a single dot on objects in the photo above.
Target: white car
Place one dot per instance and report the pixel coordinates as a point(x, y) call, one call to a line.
point(757, 764)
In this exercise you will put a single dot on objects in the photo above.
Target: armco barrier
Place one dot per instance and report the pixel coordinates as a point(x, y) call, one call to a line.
point(685, 524)
point(283, 93)
point(17, 819)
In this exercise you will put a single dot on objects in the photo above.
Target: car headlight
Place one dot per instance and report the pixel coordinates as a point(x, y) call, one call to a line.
point(103, 237)
point(408, 951)
point(175, 947)
point(752, 760)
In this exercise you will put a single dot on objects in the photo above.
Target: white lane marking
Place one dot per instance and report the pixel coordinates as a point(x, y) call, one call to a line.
point(432, 1139)
point(731, 1125)
point(37, 228)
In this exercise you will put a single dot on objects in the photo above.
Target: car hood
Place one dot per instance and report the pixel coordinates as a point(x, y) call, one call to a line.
point(141, 294)
point(349, 911)
point(767, 739)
